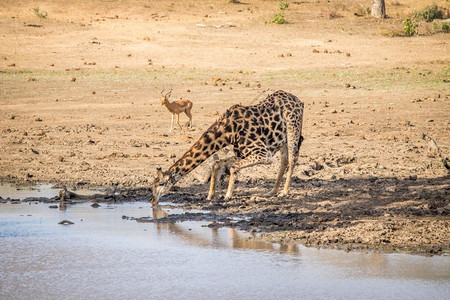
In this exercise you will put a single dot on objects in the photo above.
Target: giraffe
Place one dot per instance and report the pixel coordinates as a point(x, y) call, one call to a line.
point(256, 133)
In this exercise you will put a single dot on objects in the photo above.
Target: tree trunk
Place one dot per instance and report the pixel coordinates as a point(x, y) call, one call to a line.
point(378, 9)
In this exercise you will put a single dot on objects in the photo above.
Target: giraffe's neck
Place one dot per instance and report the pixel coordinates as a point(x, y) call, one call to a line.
point(215, 138)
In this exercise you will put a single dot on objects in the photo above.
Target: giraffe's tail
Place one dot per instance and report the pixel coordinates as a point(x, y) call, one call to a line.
point(300, 140)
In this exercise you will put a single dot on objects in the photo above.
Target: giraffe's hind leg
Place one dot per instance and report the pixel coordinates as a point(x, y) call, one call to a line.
point(294, 143)
point(254, 159)
point(294, 140)
point(283, 166)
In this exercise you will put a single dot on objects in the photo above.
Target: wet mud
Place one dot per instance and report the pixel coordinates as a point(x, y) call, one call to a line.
point(408, 215)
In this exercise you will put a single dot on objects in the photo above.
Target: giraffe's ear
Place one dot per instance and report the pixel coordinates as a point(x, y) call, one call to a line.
point(159, 173)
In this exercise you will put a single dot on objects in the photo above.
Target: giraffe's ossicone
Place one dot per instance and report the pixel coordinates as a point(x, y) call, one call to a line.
point(256, 133)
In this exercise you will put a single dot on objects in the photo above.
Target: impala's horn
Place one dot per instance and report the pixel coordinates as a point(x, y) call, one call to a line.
point(170, 92)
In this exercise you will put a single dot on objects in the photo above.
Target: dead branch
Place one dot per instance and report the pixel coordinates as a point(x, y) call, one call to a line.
point(434, 149)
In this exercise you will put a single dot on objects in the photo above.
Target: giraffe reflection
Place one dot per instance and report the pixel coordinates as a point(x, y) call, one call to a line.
point(217, 238)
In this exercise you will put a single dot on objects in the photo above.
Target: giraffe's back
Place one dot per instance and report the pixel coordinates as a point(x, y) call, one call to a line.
point(265, 126)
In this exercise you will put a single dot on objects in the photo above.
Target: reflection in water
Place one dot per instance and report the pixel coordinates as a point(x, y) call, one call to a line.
point(234, 239)
point(103, 256)
point(42, 190)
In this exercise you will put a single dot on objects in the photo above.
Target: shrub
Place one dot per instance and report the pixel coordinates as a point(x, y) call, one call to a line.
point(40, 14)
point(445, 27)
point(429, 13)
point(278, 18)
point(409, 27)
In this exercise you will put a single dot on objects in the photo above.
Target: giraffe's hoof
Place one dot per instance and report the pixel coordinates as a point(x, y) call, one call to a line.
point(270, 194)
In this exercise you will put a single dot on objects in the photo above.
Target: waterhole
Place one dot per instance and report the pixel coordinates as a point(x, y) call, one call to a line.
point(103, 255)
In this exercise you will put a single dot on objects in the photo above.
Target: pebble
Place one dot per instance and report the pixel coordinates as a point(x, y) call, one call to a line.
point(66, 222)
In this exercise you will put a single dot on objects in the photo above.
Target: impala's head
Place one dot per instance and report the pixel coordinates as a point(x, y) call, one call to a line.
point(165, 97)
point(162, 184)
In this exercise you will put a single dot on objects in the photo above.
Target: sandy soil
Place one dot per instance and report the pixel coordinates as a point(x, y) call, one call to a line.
point(80, 105)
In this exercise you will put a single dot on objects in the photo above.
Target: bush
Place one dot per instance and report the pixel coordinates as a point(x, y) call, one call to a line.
point(429, 13)
point(40, 14)
point(445, 27)
point(278, 18)
point(409, 27)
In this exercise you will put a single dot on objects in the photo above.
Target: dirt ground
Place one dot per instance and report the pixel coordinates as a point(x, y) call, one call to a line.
point(80, 105)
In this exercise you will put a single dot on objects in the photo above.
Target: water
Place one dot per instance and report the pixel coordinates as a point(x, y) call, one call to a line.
point(103, 256)
point(42, 190)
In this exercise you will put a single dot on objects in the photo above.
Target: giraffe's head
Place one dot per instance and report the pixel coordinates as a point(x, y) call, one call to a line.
point(162, 184)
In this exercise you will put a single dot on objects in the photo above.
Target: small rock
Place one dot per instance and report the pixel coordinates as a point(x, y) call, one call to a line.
point(66, 222)
point(95, 205)
point(73, 79)
point(40, 133)
point(53, 206)
point(391, 138)
point(412, 177)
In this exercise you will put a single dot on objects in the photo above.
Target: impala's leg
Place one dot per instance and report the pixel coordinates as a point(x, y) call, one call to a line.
point(253, 159)
point(171, 124)
point(178, 120)
point(283, 165)
point(188, 113)
point(215, 172)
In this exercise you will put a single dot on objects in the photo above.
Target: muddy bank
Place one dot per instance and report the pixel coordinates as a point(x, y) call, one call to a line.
point(387, 214)
point(408, 215)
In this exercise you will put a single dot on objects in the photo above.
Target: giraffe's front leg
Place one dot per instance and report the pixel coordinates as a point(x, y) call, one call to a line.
point(229, 193)
point(212, 185)
point(215, 172)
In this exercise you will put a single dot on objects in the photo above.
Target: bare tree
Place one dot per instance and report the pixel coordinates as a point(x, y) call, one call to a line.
point(378, 9)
